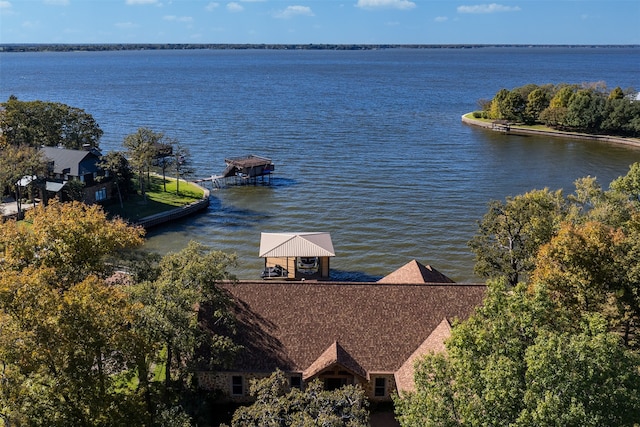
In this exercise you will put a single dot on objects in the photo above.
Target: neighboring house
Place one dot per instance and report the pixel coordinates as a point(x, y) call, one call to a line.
point(81, 165)
point(341, 333)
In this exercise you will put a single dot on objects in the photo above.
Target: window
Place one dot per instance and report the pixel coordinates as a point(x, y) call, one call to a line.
point(295, 381)
point(380, 387)
point(334, 383)
point(237, 385)
point(101, 194)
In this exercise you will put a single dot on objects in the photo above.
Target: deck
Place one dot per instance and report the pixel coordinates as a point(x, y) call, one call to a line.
point(250, 169)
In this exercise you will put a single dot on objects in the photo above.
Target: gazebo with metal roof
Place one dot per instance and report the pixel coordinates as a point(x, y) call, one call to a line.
point(303, 255)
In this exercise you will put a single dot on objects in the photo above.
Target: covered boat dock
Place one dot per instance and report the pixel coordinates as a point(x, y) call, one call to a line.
point(302, 255)
point(250, 169)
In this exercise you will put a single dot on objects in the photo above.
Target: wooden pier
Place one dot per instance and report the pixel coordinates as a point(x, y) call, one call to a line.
point(246, 170)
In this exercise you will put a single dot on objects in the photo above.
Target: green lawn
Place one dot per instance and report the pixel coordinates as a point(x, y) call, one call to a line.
point(518, 126)
point(157, 200)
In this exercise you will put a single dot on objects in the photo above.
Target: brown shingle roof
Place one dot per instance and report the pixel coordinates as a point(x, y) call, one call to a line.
point(414, 272)
point(433, 344)
point(290, 325)
point(334, 355)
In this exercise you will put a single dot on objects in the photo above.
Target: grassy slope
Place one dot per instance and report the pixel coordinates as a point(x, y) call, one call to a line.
point(157, 200)
point(543, 128)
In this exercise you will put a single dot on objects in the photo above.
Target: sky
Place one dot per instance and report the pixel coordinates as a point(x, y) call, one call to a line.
point(598, 22)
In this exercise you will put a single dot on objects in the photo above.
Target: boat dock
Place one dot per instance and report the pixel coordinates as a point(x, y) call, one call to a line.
point(501, 126)
point(244, 170)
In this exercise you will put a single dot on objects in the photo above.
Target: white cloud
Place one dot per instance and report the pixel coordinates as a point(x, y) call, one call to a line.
point(441, 19)
point(57, 2)
point(133, 2)
point(487, 8)
point(292, 11)
point(30, 24)
point(211, 6)
point(4, 5)
point(177, 18)
point(386, 4)
point(126, 25)
point(234, 7)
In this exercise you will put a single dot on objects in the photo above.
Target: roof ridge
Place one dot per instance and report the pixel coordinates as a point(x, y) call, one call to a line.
point(334, 354)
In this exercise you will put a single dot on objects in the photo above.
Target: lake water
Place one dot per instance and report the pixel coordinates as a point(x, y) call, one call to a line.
point(368, 145)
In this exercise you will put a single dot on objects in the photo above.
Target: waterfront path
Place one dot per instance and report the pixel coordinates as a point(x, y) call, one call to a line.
point(525, 130)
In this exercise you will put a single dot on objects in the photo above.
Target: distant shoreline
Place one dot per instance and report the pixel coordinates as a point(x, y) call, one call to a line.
point(519, 130)
point(97, 47)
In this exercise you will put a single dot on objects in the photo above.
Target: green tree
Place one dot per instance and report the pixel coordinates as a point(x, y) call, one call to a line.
point(17, 162)
point(616, 93)
point(629, 184)
point(38, 123)
point(498, 108)
point(73, 190)
point(583, 378)
point(537, 102)
point(169, 321)
point(515, 105)
point(79, 344)
point(117, 166)
point(555, 115)
point(621, 116)
point(579, 264)
point(277, 405)
point(72, 239)
point(181, 159)
point(510, 233)
point(62, 352)
point(585, 110)
point(592, 268)
point(519, 360)
point(163, 158)
point(434, 402)
point(562, 96)
point(66, 333)
point(141, 149)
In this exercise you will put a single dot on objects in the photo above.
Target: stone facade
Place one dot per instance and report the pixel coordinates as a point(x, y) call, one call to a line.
point(379, 388)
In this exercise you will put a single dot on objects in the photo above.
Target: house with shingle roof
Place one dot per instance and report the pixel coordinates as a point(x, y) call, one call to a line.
point(339, 333)
point(77, 165)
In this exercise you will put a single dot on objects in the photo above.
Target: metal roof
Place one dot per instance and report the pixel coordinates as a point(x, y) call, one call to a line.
point(248, 161)
point(296, 245)
point(55, 186)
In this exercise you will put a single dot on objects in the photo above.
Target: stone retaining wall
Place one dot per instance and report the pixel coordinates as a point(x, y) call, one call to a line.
point(177, 213)
point(574, 135)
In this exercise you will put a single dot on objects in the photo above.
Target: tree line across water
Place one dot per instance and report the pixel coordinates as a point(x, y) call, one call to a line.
point(590, 108)
point(97, 47)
